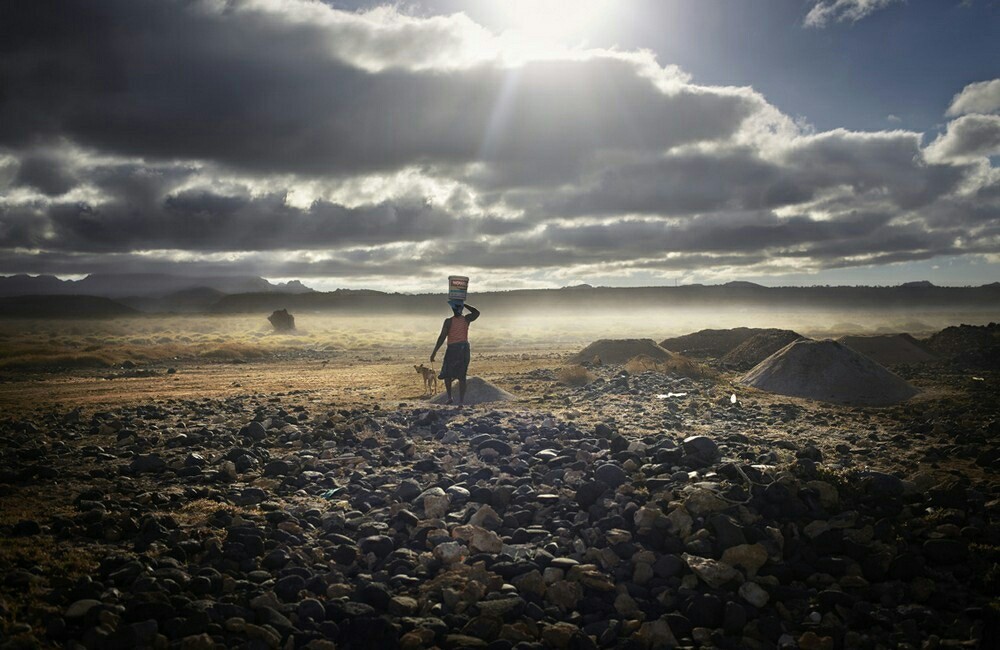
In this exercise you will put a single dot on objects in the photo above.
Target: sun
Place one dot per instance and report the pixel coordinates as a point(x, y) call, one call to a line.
point(563, 23)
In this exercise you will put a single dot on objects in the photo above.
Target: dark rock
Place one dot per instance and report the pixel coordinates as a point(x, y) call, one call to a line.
point(611, 475)
point(407, 491)
point(727, 532)
point(498, 446)
point(250, 496)
point(275, 559)
point(380, 545)
point(946, 551)
point(705, 610)
point(26, 528)
point(701, 448)
point(148, 463)
point(734, 619)
point(282, 321)
point(589, 492)
point(255, 430)
point(879, 484)
point(310, 608)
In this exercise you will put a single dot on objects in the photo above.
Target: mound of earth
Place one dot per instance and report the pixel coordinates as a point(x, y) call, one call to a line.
point(889, 349)
point(828, 371)
point(620, 351)
point(758, 347)
point(477, 391)
point(710, 343)
point(977, 346)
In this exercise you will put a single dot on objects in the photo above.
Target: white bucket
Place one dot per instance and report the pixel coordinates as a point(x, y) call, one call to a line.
point(458, 287)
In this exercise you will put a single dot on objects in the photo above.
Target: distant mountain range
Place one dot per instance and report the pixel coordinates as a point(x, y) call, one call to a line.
point(140, 285)
point(583, 297)
point(46, 296)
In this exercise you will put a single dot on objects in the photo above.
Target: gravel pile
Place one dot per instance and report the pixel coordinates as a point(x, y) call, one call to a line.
point(828, 371)
point(618, 351)
point(712, 344)
point(477, 391)
point(890, 349)
point(758, 347)
point(973, 346)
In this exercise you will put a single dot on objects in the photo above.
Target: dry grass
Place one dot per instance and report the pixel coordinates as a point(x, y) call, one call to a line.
point(57, 360)
point(234, 352)
point(677, 365)
point(575, 375)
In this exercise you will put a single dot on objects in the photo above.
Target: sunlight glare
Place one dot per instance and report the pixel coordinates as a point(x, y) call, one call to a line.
point(562, 23)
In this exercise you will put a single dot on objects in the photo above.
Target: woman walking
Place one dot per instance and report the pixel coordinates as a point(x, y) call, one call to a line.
point(458, 352)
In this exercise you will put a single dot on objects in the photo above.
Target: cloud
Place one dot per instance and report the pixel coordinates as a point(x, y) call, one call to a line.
point(191, 81)
point(980, 97)
point(286, 138)
point(825, 12)
point(968, 138)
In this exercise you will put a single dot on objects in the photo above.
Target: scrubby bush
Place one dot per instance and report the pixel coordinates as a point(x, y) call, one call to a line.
point(677, 365)
point(575, 375)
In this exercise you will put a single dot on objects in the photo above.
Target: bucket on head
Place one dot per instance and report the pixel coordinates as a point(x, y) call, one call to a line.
point(458, 287)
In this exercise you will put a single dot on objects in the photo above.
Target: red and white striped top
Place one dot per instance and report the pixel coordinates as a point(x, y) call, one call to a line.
point(458, 330)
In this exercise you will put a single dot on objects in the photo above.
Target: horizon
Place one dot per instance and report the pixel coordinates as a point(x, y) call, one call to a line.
point(524, 143)
point(312, 286)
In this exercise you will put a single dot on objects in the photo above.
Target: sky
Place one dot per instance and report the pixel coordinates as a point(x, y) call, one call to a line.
point(525, 143)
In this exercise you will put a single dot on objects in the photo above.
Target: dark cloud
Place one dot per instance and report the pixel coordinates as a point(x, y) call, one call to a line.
point(206, 222)
point(176, 80)
point(686, 183)
point(45, 174)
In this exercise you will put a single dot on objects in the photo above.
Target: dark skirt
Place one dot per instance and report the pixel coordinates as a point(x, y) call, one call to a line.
point(456, 361)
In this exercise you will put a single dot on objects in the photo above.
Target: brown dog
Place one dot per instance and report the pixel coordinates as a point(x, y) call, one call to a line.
point(430, 378)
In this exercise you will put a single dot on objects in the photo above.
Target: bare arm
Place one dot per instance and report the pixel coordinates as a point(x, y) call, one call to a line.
point(473, 315)
point(441, 338)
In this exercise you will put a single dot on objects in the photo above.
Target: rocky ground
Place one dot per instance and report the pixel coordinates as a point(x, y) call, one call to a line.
point(638, 511)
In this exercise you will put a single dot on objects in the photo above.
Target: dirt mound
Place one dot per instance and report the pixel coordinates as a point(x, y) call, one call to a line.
point(828, 371)
point(620, 351)
point(889, 349)
point(758, 347)
point(477, 391)
point(976, 346)
point(710, 343)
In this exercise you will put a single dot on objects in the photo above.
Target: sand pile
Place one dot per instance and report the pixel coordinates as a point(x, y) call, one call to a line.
point(710, 343)
point(889, 349)
point(758, 347)
point(477, 391)
point(620, 351)
point(830, 372)
point(975, 346)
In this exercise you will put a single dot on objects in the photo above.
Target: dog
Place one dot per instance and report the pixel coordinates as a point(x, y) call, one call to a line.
point(430, 378)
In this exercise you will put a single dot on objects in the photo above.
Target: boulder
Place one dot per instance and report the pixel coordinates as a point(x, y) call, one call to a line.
point(282, 321)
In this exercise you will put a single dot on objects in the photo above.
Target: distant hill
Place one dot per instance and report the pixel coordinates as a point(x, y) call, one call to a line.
point(186, 301)
point(628, 298)
point(157, 293)
point(62, 307)
point(140, 285)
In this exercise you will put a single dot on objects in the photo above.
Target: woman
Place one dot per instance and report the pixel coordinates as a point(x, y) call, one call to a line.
point(458, 352)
